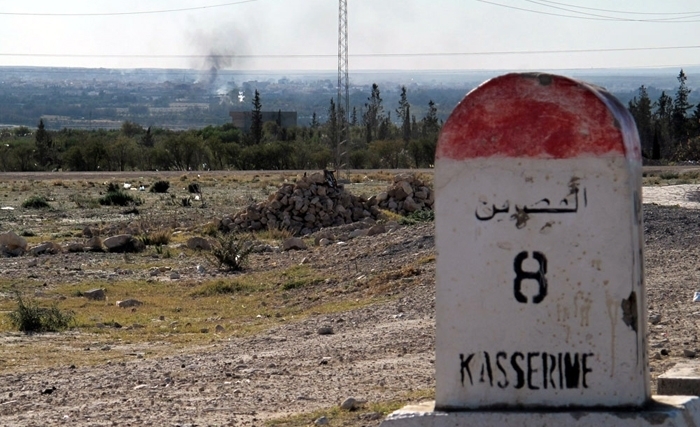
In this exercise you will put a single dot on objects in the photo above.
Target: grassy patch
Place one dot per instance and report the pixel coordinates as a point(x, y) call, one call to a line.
point(355, 418)
point(36, 202)
point(222, 288)
point(299, 277)
point(28, 317)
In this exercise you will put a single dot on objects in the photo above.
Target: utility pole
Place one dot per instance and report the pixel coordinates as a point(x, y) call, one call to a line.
point(343, 103)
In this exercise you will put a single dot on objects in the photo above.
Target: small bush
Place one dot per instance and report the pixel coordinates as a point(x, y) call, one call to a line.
point(194, 188)
point(418, 216)
point(668, 175)
point(118, 198)
point(36, 202)
point(160, 187)
point(231, 251)
point(156, 238)
point(29, 317)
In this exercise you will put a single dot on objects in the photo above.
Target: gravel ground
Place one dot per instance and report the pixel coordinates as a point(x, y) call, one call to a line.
point(376, 353)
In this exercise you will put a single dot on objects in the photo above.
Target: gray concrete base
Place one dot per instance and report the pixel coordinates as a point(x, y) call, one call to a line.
point(663, 411)
point(682, 379)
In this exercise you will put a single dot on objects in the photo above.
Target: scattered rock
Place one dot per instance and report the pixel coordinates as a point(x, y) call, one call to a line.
point(655, 319)
point(94, 244)
point(75, 247)
point(95, 294)
point(129, 303)
point(219, 329)
point(664, 352)
point(349, 404)
point(46, 248)
point(293, 243)
point(201, 270)
point(12, 245)
point(123, 243)
point(689, 353)
point(198, 244)
point(174, 275)
point(325, 330)
point(321, 421)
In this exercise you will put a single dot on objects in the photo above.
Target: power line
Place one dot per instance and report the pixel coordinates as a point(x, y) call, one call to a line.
point(620, 11)
point(354, 55)
point(596, 17)
point(684, 16)
point(127, 13)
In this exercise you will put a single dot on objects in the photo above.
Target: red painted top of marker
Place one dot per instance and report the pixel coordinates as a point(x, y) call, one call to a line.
point(538, 116)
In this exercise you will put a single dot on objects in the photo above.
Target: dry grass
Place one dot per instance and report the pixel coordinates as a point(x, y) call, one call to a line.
point(355, 418)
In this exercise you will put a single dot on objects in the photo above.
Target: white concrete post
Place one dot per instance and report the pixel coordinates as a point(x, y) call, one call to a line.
point(541, 310)
point(540, 296)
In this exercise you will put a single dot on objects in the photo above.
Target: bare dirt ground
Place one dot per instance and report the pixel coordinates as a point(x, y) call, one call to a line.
point(380, 351)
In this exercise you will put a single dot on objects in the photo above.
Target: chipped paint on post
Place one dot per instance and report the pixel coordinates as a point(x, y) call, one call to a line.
point(540, 295)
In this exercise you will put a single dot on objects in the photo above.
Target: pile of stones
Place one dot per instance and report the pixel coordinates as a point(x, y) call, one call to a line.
point(312, 203)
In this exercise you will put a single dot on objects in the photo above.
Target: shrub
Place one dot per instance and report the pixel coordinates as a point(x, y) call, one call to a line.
point(231, 251)
point(156, 238)
point(160, 187)
point(194, 188)
point(29, 317)
point(36, 202)
point(418, 216)
point(116, 197)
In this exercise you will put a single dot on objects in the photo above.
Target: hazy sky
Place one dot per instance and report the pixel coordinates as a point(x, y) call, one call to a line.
point(259, 32)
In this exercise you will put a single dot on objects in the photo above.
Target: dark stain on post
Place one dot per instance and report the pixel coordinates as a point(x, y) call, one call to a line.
point(629, 311)
point(520, 217)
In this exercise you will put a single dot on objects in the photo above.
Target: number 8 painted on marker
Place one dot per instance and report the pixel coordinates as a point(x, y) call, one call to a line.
point(538, 275)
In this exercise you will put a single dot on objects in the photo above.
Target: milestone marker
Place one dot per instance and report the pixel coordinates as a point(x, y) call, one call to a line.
point(540, 295)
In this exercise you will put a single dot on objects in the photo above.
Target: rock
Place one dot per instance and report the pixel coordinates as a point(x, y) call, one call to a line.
point(201, 270)
point(664, 352)
point(174, 275)
point(198, 244)
point(349, 404)
point(46, 248)
point(75, 247)
point(219, 329)
point(12, 245)
point(123, 243)
point(358, 233)
point(376, 229)
point(94, 244)
point(689, 353)
point(655, 319)
point(321, 421)
point(293, 243)
point(324, 242)
point(128, 303)
point(409, 205)
point(325, 330)
point(95, 294)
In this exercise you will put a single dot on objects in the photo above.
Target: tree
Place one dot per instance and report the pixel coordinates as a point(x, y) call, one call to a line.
point(44, 145)
point(332, 125)
point(404, 113)
point(147, 138)
point(373, 115)
point(641, 111)
point(662, 124)
point(431, 124)
point(679, 120)
point(256, 125)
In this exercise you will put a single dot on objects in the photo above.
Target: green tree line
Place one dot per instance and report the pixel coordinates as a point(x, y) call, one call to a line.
point(370, 139)
point(669, 128)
